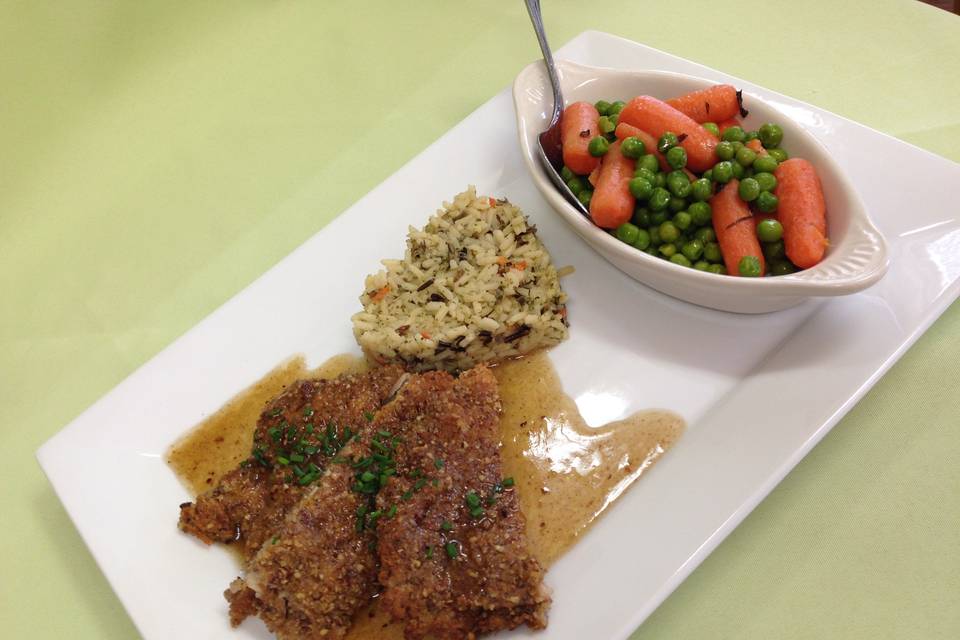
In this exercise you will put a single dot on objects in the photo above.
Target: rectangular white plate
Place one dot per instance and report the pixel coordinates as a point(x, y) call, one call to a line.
point(736, 379)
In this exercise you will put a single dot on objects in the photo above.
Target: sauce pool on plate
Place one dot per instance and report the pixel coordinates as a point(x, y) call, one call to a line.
point(566, 472)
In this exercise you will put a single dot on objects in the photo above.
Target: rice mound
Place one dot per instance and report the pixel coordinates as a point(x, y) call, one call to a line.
point(475, 285)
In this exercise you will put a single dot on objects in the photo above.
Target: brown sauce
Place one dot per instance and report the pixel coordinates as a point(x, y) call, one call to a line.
point(566, 472)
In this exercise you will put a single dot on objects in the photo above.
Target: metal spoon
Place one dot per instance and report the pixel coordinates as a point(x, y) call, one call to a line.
point(551, 150)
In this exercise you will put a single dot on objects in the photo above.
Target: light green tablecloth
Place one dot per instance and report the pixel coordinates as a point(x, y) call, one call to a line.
point(151, 156)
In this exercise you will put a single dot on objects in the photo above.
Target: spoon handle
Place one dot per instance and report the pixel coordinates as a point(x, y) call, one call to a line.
point(533, 8)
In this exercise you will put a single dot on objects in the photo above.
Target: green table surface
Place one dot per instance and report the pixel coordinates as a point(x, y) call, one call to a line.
point(151, 156)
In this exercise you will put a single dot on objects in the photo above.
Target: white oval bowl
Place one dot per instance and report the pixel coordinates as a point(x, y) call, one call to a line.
point(856, 258)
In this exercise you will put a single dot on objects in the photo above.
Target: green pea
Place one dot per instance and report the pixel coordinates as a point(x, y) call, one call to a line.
point(701, 213)
point(606, 125)
point(648, 162)
point(693, 249)
point(701, 265)
point(677, 157)
point(652, 251)
point(708, 175)
point(765, 164)
point(659, 199)
point(659, 217)
point(682, 220)
point(627, 233)
point(737, 145)
point(733, 134)
point(678, 183)
point(585, 196)
point(643, 239)
point(576, 185)
point(640, 188)
point(782, 268)
point(723, 171)
point(641, 217)
point(771, 135)
point(737, 169)
point(701, 189)
point(680, 259)
point(746, 156)
point(712, 128)
point(774, 251)
point(718, 269)
point(711, 251)
point(654, 233)
point(661, 180)
point(669, 232)
point(667, 250)
point(778, 154)
point(667, 141)
point(677, 204)
point(598, 146)
point(614, 120)
point(616, 107)
point(603, 107)
point(725, 150)
point(633, 147)
point(567, 174)
point(750, 135)
point(749, 266)
point(769, 230)
point(705, 235)
point(646, 174)
point(767, 181)
point(749, 190)
point(767, 202)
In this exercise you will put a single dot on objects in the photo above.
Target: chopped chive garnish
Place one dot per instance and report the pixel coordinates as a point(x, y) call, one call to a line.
point(447, 525)
point(314, 468)
point(472, 499)
point(275, 413)
point(296, 457)
point(307, 412)
point(274, 433)
point(435, 482)
point(476, 512)
point(309, 428)
point(419, 484)
point(438, 463)
point(297, 470)
point(366, 476)
point(347, 433)
point(491, 499)
point(429, 553)
point(508, 482)
point(384, 434)
point(406, 496)
point(452, 549)
point(392, 511)
point(282, 460)
point(368, 416)
point(310, 450)
point(361, 510)
point(274, 539)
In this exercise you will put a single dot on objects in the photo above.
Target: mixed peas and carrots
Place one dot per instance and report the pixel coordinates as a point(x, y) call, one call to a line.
point(683, 180)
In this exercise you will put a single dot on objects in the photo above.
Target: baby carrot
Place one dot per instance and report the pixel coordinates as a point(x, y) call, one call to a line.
point(757, 146)
point(612, 204)
point(735, 228)
point(578, 126)
point(657, 117)
point(802, 212)
point(713, 104)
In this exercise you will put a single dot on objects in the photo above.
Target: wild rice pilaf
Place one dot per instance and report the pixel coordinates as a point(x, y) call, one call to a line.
point(475, 285)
